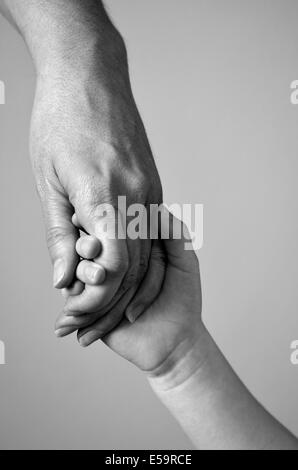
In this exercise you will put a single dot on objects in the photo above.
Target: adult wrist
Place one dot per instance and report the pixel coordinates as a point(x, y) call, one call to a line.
point(66, 33)
point(83, 56)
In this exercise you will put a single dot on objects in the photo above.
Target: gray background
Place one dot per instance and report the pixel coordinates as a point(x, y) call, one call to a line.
point(212, 80)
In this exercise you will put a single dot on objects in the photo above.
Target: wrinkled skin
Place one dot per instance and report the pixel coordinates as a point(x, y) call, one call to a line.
point(89, 146)
point(170, 326)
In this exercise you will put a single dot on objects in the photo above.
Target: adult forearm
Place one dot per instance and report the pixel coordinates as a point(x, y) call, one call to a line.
point(214, 407)
point(88, 144)
point(67, 34)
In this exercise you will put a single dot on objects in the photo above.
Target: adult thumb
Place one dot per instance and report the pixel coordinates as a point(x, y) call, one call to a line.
point(61, 236)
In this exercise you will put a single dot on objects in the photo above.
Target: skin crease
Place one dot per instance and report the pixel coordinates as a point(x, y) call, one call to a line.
point(88, 143)
point(88, 146)
point(91, 168)
point(183, 364)
point(171, 322)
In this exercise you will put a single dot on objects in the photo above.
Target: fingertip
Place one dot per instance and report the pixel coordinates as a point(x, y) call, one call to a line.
point(100, 275)
point(59, 273)
point(75, 289)
point(59, 333)
point(65, 331)
point(85, 340)
point(91, 273)
point(132, 313)
point(88, 247)
point(64, 270)
point(87, 337)
point(75, 221)
point(82, 342)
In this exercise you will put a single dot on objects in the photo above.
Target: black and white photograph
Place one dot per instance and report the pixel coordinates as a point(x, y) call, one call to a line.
point(149, 228)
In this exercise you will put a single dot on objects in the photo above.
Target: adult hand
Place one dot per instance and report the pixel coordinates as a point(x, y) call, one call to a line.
point(88, 147)
point(168, 330)
point(88, 143)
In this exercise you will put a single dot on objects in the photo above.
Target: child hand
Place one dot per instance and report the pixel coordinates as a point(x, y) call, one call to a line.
point(170, 325)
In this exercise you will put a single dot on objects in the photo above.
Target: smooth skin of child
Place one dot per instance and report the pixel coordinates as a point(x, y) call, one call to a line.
point(180, 359)
point(89, 298)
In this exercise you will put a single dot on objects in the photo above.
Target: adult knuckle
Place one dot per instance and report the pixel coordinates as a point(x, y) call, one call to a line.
point(140, 187)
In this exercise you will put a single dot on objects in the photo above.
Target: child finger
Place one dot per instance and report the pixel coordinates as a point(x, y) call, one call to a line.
point(88, 247)
point(90, 273)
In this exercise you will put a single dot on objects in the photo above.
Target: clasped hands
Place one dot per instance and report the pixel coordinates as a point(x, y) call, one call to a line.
point(152, 321)
point(89, 146)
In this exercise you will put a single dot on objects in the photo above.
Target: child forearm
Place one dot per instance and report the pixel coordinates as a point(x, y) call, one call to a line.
point(214, 407)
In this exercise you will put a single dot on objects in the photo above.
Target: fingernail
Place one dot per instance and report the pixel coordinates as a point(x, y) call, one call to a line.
point(130, 317)
point(87, 339)
point(59, 272)
point(83, 342)
point(95, 274)
point(133, 315)
point(59, 333)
